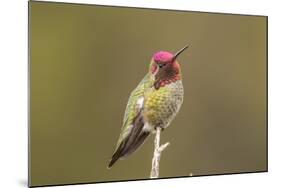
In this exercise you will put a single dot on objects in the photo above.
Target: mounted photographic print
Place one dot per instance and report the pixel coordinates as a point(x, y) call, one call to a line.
point(123, 93)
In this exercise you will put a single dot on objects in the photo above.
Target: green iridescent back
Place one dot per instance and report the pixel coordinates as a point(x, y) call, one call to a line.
point(131, 111)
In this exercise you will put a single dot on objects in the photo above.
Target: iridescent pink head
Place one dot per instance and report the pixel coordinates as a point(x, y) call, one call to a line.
point(162, 56)
point(165, 67)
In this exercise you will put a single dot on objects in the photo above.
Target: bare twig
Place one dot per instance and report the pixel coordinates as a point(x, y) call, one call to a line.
point(157, 154)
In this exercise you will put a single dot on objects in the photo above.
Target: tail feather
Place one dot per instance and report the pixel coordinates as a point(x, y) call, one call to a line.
point(117, 154)
point(138, 142)
point(123, 152)
point(112, 161)
point(132, 142)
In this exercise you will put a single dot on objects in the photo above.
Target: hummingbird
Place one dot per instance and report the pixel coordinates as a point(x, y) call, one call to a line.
point(153, 103)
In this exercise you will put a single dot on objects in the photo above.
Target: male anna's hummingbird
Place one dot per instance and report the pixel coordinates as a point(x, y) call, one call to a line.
point(153, 103)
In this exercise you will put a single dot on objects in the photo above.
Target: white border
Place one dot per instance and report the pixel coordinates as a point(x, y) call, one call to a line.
point(13, 93)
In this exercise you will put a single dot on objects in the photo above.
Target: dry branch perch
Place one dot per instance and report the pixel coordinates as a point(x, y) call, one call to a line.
point(157, 154)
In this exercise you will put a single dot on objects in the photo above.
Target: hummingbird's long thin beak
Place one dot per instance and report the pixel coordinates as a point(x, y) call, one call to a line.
point(180, 51)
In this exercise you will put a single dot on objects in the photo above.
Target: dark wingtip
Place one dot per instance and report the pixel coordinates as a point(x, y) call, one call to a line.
point(111, 163)
point(115, 157)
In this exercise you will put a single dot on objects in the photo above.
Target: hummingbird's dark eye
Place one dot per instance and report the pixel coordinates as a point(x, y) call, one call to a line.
point(161, 65)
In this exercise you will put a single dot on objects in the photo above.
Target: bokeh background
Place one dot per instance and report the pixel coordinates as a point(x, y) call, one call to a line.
point(84, 62)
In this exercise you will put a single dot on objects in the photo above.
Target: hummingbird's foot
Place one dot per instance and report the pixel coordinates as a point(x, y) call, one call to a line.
point(160, 126)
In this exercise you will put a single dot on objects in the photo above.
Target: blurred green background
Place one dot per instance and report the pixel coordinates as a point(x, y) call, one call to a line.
point(84, 62)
